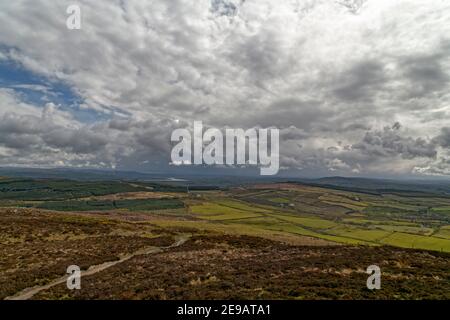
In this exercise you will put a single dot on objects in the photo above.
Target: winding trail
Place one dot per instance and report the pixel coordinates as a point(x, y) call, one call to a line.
point(28, 293)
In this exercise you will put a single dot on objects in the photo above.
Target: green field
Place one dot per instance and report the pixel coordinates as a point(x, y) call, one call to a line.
point(407, 240)
point(363, 219)
point(403, 220)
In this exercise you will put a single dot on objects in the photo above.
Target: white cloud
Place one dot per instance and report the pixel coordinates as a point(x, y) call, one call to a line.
point(325, 72)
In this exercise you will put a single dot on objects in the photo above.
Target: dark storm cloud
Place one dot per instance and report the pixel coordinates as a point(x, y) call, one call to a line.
point(389, 142)
point(361, 81)
point(77, 141)
point(356, 126)
point(443, 139)
point(289, 112)
point(426, 74)
point(14, 124)
point(292, 133)
point(224, 7)
point(27, 132)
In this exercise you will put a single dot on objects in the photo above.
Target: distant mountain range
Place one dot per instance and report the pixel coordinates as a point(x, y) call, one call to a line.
point(366, 185)
point(371, 185)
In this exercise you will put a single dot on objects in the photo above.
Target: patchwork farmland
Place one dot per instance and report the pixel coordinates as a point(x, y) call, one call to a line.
point(275, 240)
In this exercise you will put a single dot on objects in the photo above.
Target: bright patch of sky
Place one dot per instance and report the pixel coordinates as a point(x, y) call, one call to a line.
point(39, 91)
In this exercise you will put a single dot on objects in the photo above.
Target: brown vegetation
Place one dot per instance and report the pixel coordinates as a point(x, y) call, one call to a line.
point(233, 267)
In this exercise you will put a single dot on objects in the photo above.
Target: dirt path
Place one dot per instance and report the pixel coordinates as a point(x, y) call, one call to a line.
point(28, 293)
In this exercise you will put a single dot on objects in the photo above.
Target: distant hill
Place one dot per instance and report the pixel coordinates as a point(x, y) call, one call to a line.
point(365, 185)
point(368, 185)
point(190, 180)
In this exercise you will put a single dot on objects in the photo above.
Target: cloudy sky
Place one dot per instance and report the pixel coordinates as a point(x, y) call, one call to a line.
point(356, 87)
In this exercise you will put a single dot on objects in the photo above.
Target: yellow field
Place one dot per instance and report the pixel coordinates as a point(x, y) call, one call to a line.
point(407, 240)
point(308, 222)
point(243, 215)
point(221, 211)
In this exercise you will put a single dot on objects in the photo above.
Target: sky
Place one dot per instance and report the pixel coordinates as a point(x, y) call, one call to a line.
point(356, 88)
